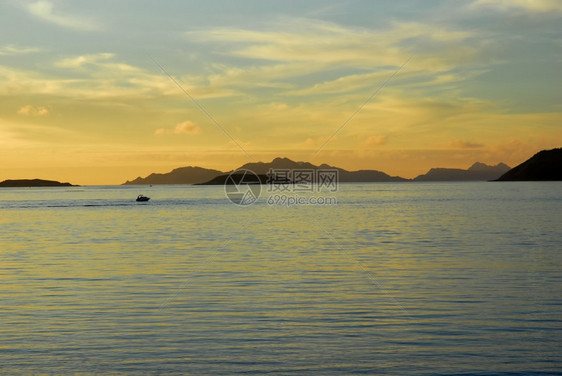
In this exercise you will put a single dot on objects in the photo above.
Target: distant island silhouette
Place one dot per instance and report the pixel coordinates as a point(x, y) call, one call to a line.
point(237, 178)
point(361, 176)
point(199, 175)
point(546, 165)
point(478, 171)
point(182, 175)
point(204, 176)
point(24, 183)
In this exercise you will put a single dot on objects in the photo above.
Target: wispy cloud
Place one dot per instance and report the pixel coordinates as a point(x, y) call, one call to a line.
point(30, 110)
point(374, 141)
point(461, 144)
point(10, 139)
point(11, 49)
point(100, 76)
point(322, 44)
point(346, 84)
point(277, 57)
point(44, 10)
point(186, 127)
point(30, 133)
point(532, 6)
point(80, 61)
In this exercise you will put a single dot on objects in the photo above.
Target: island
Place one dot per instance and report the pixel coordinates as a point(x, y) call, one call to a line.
point(203, 176)
point(344, 176)
point(182, 175)
point(478, 171)
point(237, 178)
point(546, 165)
point(25, 183)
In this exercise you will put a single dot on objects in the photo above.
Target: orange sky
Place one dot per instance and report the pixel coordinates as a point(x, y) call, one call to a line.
point(408, 87)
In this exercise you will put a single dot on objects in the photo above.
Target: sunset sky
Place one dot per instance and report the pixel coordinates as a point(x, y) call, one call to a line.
point(454, 82)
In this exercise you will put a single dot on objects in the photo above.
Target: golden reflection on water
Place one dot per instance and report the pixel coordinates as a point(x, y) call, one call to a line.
point(391, 280)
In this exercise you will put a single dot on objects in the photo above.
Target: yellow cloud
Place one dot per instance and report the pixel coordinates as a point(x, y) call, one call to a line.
point(311, 47)
point(533, 6)
point(461, 144)
point(256, 76)
point(9, 139)
point(311, 144)
point(102, 77)
point(32, 135)
point(186, 127)
point(30, 110)
point(322, 44)
point(79, 61)
point(355, 82)
point(98, 82)
point(374, 141)
point(11, 49)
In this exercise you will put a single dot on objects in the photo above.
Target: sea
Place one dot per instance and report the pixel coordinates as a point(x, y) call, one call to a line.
point(457, 278)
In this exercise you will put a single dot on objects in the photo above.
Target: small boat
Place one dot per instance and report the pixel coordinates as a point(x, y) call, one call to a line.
point(142, 198)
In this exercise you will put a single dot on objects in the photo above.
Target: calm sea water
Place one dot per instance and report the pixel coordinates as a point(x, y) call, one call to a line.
point(447, 278)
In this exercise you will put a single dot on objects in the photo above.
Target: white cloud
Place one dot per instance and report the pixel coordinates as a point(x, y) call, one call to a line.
point(44, 10)
point(186, 127)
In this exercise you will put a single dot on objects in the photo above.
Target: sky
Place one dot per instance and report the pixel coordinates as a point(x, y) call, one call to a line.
point(100, 92)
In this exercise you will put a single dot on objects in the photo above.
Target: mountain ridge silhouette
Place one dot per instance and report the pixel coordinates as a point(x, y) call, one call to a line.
point(478, 171)
point(546, 165)
point(200, 175)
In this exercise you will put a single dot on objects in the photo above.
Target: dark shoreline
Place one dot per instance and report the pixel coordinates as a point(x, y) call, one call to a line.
point(29, 183)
